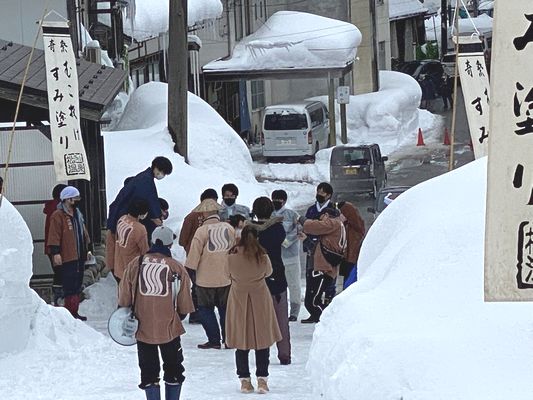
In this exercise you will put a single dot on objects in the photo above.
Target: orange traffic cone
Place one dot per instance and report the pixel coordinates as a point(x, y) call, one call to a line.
point(446, 137)
point(420, 141)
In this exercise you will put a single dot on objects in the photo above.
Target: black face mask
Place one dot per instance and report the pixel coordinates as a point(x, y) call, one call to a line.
point(277, 205)
point(320, 198)
point(229, 202)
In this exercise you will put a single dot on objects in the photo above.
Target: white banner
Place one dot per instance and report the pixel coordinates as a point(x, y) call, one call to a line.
point(509, 221)
point(476, 92)
point(70, 160)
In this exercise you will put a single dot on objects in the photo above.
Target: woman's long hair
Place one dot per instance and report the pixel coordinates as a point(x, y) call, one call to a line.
point(250, 244)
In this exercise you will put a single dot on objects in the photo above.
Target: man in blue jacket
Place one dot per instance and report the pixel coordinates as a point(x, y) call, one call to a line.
point(138, 187)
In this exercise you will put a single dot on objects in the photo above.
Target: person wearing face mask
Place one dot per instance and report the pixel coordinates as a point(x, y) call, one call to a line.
point(229, 205)
point(142, 187)
point(131, 237)
point(290, 250)
point(324, 193)
point(68, 241)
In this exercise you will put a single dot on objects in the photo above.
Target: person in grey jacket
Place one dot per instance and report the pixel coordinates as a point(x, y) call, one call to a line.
point(290, 250)
point(229, 205)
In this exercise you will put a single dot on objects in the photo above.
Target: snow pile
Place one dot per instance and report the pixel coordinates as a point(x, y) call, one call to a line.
point(399, 9)
point(27, 322)
point(151, 17)
point(291, 39)
point(415, 326)
point(213, 144)
point(390, 117)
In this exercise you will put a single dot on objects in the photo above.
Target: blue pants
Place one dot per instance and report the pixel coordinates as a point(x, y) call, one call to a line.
point(72, 274)
point(208, 299)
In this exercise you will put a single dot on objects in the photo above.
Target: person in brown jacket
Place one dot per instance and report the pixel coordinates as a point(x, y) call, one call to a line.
point(355, 232)
point(191, 223)
point(131, 237)
point(251, 322)
point(208, 256)
point(150, 280)
point(327, 257)
point(68, 241)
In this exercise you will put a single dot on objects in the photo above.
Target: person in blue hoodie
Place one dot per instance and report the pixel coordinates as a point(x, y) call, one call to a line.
point(271, 236)
point(290, 250)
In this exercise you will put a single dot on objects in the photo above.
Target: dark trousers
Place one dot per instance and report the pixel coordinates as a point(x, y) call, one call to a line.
point(261, 363)
point(57, 284)
point(316, 284)
point(72, 274)
point(331, 289)
point(281, 308)
point(447, 99)
point(172, 356)
point(208, 299)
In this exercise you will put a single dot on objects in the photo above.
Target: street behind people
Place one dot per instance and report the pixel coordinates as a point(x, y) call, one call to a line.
point(290, 250)
point(271, 236)
point(327, 257)
point(49, 208)
point(68, 241)
point(230, 192)
point(131, 237)
point(208, 256)
point(148, 285)
point(251, 322)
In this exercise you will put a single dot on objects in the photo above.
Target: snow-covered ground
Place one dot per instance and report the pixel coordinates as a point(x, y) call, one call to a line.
point(415, 326)
point(390, 118)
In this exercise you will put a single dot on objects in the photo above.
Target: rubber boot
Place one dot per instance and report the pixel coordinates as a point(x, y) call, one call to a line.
point(172, 391)
point(72, 303)
point(68, 304)
point(153, 392)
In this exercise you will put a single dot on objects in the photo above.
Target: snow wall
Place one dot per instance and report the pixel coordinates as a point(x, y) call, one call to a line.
point(415, 326)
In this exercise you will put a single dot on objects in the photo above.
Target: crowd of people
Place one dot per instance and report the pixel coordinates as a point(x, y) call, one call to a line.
point(433, 87)
point(243, 263)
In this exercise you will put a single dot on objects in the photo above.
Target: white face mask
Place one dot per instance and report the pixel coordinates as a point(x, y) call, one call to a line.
point(141, 217)
point(159, 176)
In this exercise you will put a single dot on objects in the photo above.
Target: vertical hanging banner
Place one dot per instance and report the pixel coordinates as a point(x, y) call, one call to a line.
point(70, 159)
point(509, 215)
point(476, 92)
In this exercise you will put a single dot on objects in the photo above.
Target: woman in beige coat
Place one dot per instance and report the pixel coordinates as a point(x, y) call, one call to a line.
point(250, 318)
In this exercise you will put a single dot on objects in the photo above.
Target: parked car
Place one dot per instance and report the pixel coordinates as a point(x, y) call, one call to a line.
point(431, 68)
point(357, 170)
point(390, 193)
point(295, 129)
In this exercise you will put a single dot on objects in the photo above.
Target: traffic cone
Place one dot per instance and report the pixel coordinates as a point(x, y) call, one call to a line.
point(446, 137)
point(420, 141)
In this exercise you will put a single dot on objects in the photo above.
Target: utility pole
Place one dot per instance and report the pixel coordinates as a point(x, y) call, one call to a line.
point(177, 75)
point(443, 27)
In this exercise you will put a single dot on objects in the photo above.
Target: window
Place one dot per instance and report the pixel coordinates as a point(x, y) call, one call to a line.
point(381, 56)
point(351, 157)
point(258, 94)
point(285, 122)
point(317, 117)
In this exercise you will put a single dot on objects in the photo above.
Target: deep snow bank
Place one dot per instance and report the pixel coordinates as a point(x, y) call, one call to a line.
point(26, 321)
point(213, 144)
point(415, 326)
point(389, 117)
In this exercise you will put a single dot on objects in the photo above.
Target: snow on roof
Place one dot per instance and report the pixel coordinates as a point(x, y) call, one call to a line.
point(399, 9)
point(151, 17)
point(468, 26)
point(291, 39)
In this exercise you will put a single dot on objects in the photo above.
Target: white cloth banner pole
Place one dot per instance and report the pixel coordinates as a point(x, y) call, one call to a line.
point(476, 92)
point(70, 159)
point(509, 214)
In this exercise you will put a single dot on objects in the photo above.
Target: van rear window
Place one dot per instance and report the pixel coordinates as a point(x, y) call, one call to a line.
point(286, 122)
point(351, 157)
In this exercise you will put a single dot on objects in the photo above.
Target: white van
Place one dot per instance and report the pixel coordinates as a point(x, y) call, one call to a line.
point(295, 129)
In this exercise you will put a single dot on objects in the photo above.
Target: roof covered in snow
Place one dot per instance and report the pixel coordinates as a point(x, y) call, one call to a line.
point(151, 17)
point(400, 9)
point(293, 41)
point(481, 24)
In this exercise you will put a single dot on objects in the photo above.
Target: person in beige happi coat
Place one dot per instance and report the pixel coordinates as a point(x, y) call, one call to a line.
point(251, 322)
